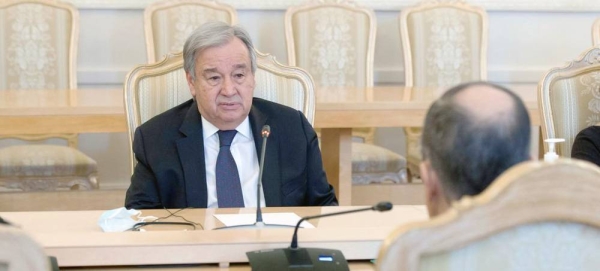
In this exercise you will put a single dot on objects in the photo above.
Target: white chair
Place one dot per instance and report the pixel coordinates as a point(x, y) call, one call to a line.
point(335, 42)
point(18, 252)
point(535, 216)
point(154, 88)
point(444, 44)
point(167, 24)
point(569, 99)
point(596, 32)
point(39, 51)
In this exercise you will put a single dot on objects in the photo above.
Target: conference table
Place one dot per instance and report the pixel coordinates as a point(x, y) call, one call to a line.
point(76, 239)
point(337, 111)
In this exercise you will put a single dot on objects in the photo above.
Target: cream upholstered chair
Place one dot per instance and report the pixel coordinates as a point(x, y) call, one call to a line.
point(151, 89)
point(444, 44)
point(19, 252)
point(287, 85)
point(596, 32)
point(38, 51)
point(334, 40)
point(535, 216)
point(569, 98)
point(168, 23)
point(154, 88)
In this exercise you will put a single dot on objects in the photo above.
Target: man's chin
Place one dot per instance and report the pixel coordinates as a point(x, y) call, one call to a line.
point(232, 118)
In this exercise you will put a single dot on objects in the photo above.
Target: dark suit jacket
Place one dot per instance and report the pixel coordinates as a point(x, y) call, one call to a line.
point(587, 145)
point(170, 172)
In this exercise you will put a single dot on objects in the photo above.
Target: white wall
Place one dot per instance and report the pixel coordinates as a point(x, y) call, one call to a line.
point(526, 39)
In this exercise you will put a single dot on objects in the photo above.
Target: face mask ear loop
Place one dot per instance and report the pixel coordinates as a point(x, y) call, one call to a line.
point(141, 218)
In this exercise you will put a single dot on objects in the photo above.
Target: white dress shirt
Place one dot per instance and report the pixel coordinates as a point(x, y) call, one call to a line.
point(244, 153)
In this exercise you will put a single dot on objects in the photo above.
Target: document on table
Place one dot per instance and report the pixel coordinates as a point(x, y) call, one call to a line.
point(290, 219)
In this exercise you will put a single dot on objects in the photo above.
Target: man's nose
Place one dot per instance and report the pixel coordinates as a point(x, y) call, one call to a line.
point(228, 87)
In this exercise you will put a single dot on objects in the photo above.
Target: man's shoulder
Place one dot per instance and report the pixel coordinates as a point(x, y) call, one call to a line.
point(170, 118)
point(590, 132)
point(273, 109)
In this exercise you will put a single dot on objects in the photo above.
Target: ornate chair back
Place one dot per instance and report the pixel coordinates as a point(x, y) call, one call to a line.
point(39, 52)
point(167, 24)
point(39, 48)
point(569, 98)
point(535, 216)
point(334, 40)
point(596, 33)
point(444, 44)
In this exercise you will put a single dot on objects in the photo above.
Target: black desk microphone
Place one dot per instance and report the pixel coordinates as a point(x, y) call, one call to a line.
point(306, 258)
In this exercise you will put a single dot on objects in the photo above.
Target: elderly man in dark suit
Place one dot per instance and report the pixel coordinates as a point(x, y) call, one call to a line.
point(204, 152)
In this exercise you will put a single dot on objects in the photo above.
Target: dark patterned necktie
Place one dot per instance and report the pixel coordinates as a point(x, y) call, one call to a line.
point(229, 189)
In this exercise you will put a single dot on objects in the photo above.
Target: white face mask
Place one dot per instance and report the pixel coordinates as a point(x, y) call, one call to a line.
point(119, 219)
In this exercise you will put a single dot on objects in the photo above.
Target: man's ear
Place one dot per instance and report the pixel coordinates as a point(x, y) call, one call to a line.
point(434, 196)
point(191, 82)
point(430, 180)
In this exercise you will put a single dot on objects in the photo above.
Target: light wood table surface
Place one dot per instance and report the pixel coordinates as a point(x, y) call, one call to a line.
point(77, 241)
point(337, 111)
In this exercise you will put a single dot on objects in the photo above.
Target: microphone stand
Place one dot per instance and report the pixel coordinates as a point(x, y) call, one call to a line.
point(308, 258)
point(294, 243)
point(265, 132)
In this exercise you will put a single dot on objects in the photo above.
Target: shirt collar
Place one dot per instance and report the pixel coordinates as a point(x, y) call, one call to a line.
point(208, 129)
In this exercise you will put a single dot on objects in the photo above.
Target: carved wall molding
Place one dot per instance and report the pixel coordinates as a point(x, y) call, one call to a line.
point(385, 5)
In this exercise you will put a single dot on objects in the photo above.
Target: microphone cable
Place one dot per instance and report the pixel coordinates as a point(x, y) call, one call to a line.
point(139, 225)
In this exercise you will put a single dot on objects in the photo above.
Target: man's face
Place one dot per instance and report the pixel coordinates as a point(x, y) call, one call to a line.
point(224, 84)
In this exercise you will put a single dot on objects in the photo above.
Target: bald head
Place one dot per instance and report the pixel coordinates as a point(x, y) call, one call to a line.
point(472, 134)
point(485, 102)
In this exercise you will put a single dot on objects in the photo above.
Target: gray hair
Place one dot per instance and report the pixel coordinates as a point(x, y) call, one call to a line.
point(213, 34)
point(468, 154)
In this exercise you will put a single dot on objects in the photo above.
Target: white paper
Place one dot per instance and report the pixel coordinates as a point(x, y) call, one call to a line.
point(290, 219)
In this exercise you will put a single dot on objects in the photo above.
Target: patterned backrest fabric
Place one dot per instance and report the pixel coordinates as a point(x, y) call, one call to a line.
point(541, 246)
point(37, 45)
point(575, 103)
point(286, 91)
point(285, 85)
point(445, 46)
point(171, 23)
point(159, 93)
point(333, 44)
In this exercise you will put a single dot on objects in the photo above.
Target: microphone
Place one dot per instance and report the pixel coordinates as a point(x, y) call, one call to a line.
point(266, 131)
point(315, 258)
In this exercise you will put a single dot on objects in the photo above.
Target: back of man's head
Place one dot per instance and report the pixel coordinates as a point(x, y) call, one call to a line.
point(472, 134)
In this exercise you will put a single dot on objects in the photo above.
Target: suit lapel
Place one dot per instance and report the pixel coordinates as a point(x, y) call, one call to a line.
point(191, 155)
point(271, 181)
